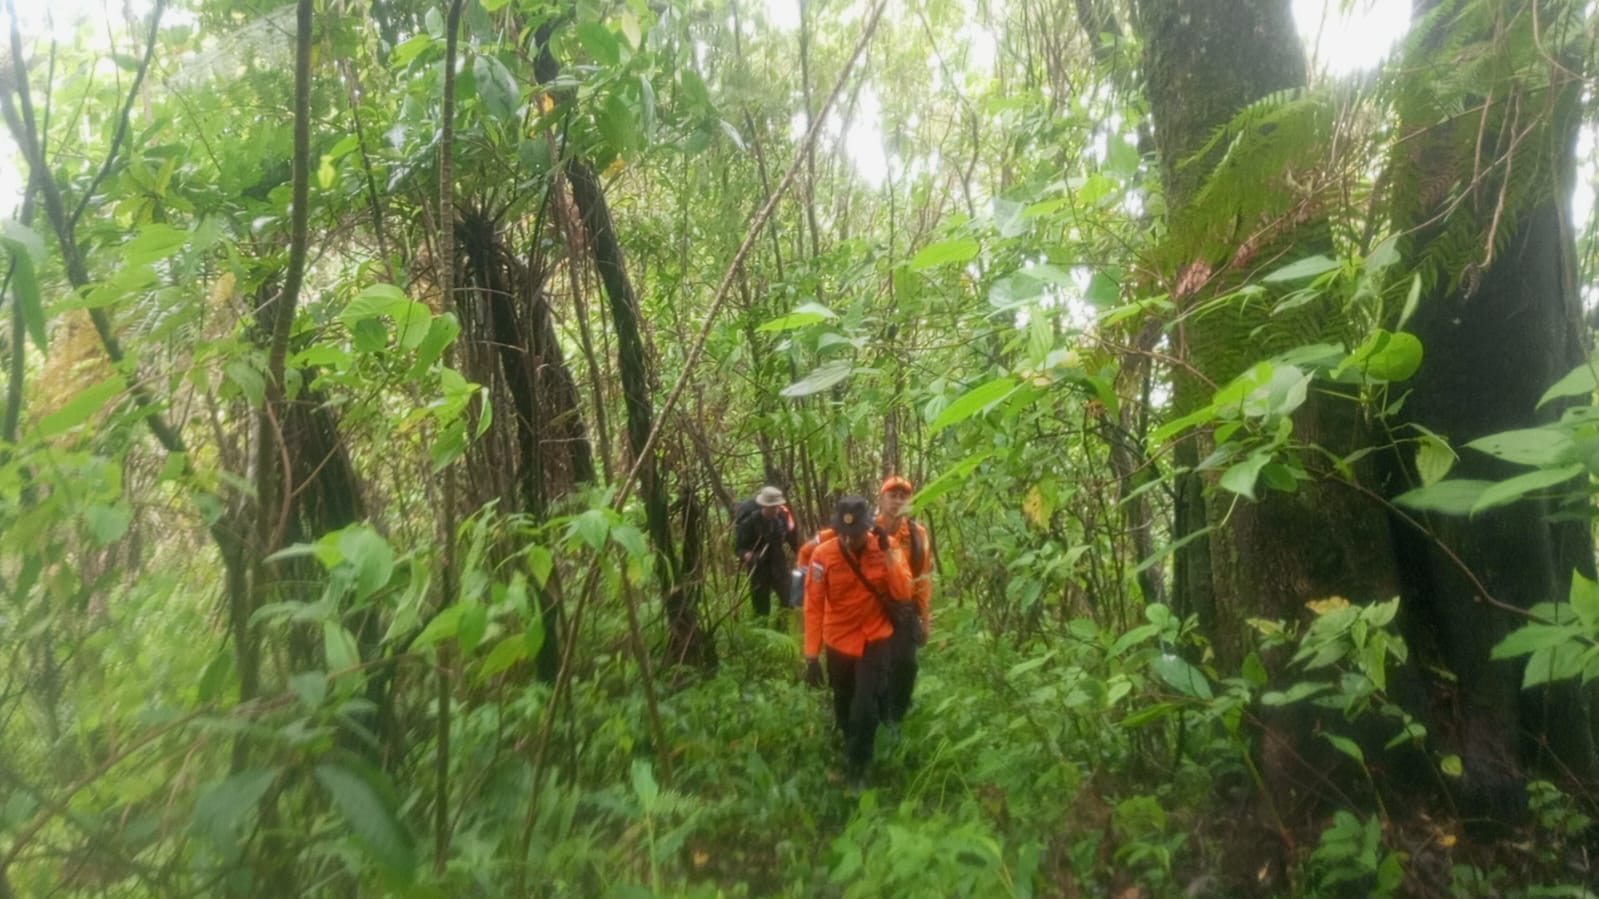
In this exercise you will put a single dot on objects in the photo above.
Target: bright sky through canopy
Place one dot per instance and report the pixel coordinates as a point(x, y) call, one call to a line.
point(1339, 41)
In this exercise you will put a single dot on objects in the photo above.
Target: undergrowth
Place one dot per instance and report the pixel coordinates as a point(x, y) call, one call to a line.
point(1076, 770)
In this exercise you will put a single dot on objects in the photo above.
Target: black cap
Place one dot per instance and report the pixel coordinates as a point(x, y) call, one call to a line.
point(852, 516)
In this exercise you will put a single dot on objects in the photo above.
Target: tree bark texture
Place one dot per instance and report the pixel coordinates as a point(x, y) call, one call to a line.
point(1500, 322)
point(1205, 62)
point(510, 345)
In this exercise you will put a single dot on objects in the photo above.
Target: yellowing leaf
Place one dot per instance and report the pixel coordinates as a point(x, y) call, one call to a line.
point(1033, 508)
point(1330, 604)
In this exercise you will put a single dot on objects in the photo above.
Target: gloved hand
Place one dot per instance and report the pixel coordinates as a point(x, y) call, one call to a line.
point(882, 538)
point(813, 672)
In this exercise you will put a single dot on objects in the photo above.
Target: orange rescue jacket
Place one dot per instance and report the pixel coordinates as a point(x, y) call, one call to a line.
point(805, 551)
point(924, 577)
point(840, 610)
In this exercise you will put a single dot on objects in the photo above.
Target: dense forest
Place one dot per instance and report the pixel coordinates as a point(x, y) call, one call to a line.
point(387, 384)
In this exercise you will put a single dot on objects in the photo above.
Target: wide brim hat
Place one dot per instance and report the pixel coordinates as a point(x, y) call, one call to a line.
point(852, 516)
point(769, 496)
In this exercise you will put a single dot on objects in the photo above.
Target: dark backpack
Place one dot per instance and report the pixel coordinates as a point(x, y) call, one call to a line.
point(742, 515)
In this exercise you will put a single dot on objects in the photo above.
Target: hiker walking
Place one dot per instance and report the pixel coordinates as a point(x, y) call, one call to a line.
point(763, 534)
point(911, 537)
point(856, 584)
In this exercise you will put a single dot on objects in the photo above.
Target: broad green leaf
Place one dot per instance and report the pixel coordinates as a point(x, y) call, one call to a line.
point(600, 43)
point(644, 785)
point(442, 627)
point(1580, 381)
point(592, 527)
point(448, 445)
point(311, 687)
point(1562, 661)
point(631, 539)
point(1505, 492)
point(1103, 290)
point(1241, 478)
point(535, 156)
point(1382, 256)
point(497, 87)
point(473, 625)
point(372, 816)
point(1585, 599)
point(494, 5)
point(442, 331)
point(81, 407)
point(1529, 638)
point(250, 380)
point(1297, 692)
point(1451, 766)
point(1309, 267)
point(972, 402)
point(108, 522)
point(961, 249)
point(1177, 425)
point(1455, 497)
point(371, 556)
point(951, 478)
point(339, 646)
point(412, 323)
point(540, 563)
point(154, 242)
point(505, 653)
point(618, 125)
point(1180, 674)
point(1528, 446)
point(1132, 638)
point(1023, 667)
point(1434, 458)
point(1347, 747)
point(821, 378)
point(1385, 356)
point(25, 291)
point(372, 301)
point(1151, 713)
point(806, 314)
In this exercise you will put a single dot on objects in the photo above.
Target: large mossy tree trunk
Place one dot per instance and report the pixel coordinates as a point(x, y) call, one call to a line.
point(1481, 199)
point(1204, 63)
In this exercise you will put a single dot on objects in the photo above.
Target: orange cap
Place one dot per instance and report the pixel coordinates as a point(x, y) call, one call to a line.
point(895, 481)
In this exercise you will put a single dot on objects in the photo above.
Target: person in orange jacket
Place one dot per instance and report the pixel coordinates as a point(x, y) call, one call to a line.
point(911, 536)
point(809, 547)
point(851, 587)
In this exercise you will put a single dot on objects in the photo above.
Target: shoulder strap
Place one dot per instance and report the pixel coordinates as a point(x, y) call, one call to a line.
point(855, 567)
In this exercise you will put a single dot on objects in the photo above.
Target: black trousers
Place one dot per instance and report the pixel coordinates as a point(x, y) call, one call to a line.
point(901, 675)
point(761, 598)
point(767, 575)
point(858, 683)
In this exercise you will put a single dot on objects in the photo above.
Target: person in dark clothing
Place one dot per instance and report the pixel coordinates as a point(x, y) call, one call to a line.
point(764, 533)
